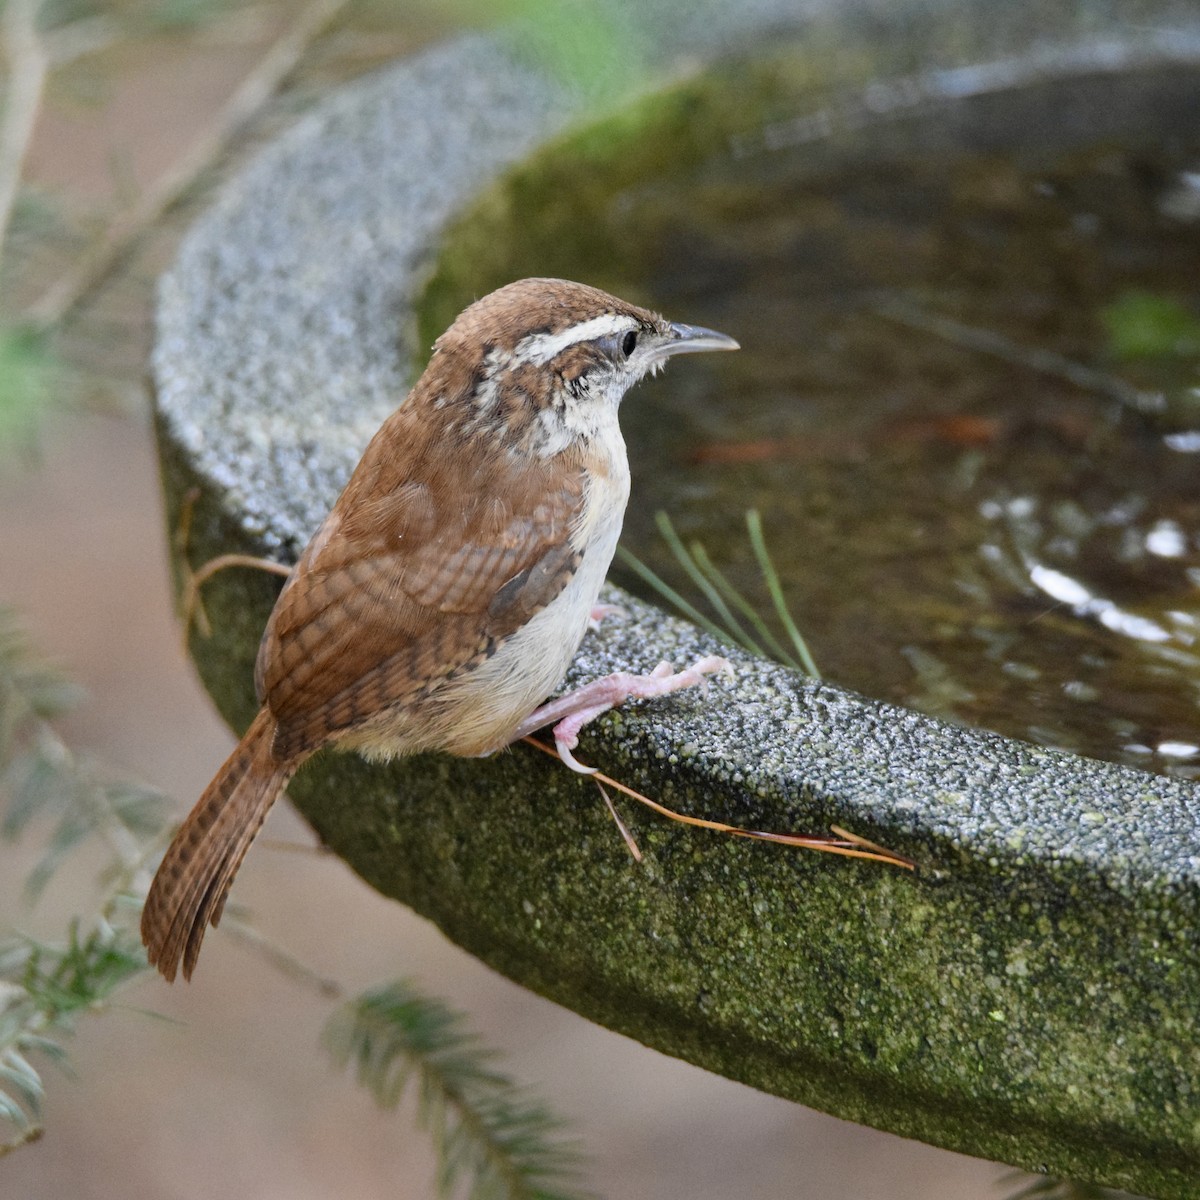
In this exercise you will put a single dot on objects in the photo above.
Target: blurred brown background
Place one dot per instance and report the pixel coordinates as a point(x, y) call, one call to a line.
point(232, 1096)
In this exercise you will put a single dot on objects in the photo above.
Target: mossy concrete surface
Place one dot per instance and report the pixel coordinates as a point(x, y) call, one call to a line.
point(1029, 994)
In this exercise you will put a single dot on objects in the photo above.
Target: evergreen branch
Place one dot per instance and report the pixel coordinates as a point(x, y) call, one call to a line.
point(42, 777)
point(482, 1125)
point(30, 1133)
point(286, 963)
point(31, 389)
point(43, 989)
point(81, 37)
point(28, 688)
point(63, 981)
point(124, 816)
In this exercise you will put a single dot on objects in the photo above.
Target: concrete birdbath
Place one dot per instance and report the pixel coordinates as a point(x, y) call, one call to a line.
point(1028, 994)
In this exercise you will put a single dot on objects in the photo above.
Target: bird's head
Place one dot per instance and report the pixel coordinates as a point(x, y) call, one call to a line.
point(556, 355)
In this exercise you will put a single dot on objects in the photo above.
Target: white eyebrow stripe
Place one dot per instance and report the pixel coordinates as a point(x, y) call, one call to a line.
point(540, 348)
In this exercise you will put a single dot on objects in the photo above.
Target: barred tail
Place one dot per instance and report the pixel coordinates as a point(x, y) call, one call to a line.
point(197, 870)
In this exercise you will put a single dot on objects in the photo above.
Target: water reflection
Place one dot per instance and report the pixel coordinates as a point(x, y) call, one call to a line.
point(967, 400)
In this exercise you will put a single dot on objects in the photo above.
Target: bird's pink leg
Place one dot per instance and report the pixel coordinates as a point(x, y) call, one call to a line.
point(569, 714)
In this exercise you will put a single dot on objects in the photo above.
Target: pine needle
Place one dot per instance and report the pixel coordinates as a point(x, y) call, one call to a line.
point(720, 580)
point(686, 560)
point(724, 597)
point(771, 578)
point(622, 828)
point(844, 843)
point(669, 594)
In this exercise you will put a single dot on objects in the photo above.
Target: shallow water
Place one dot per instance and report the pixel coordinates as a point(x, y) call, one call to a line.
point(968, 401)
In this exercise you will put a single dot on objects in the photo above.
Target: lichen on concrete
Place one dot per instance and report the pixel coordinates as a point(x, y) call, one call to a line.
point(1028, 994)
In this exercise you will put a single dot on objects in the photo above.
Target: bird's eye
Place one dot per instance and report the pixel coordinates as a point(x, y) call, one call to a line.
point(629, 343)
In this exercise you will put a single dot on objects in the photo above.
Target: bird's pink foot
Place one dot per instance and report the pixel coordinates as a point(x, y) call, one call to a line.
point(569, 714)
point(600, 611)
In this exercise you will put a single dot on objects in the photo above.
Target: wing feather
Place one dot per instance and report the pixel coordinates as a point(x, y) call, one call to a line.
point(411, 580)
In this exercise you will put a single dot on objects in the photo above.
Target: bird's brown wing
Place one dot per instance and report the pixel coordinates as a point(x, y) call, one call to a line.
point(410, 581)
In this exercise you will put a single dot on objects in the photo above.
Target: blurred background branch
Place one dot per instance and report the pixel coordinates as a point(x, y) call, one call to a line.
point(27, 64)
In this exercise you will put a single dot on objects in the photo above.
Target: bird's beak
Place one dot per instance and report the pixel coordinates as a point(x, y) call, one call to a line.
point(693, 339)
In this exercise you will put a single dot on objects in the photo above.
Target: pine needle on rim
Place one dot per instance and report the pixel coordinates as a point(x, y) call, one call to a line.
point(845, 843)
point(720, 580)
point(771, 578)
point(669, 594)
point(686, 560)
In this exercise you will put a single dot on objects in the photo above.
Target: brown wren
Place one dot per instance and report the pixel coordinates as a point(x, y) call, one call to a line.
point(447, 591)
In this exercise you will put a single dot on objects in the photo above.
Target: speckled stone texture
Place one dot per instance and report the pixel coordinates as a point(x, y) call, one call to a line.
point(1029, 994)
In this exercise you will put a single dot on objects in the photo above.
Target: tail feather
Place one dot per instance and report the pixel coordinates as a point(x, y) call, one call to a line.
point(197, 871)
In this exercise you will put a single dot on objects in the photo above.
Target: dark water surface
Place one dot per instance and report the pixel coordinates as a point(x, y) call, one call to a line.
point(968, 400)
